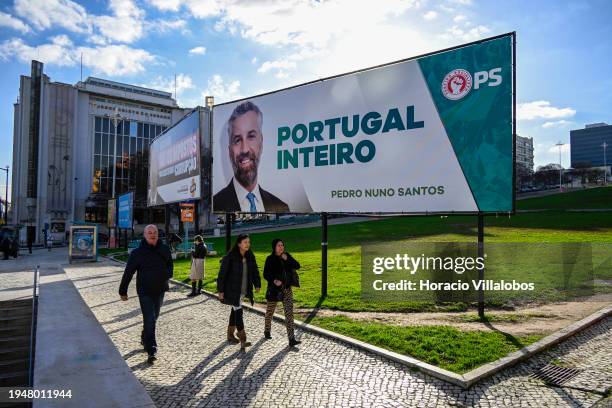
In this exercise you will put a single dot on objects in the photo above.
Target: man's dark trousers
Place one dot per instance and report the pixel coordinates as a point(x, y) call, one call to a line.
point(150, 306)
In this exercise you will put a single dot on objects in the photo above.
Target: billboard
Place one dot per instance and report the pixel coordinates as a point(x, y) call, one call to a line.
point(187, 210)
point(174, 163)
point(126, 210)
point(432, 134)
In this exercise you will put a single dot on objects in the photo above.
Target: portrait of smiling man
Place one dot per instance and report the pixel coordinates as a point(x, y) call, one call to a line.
point(245, 145)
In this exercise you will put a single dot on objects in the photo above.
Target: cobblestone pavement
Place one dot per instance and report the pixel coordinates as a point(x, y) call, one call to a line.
point(196, 367)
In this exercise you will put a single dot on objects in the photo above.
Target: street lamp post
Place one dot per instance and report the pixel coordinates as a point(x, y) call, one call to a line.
point(605, 145)
point(115, 118)
point(560, 167)
point(6, 195)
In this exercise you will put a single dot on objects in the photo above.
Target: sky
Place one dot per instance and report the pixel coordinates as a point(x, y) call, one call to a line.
point(238, 48)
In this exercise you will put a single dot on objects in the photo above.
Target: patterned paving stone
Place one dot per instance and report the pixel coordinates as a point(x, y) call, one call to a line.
point(197, 368)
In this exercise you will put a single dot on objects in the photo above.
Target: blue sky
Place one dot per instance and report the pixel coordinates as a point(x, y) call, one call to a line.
point(234, 48)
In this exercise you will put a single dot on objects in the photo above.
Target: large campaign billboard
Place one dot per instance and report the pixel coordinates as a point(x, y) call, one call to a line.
point(174, 163)
point(432, 134)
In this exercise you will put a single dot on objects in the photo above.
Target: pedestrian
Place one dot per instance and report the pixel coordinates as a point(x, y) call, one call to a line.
point(198, 253)
point(15, 246)
point(5, 245)
point(153, 262)
point(49, 242)
point(30, 242)
point(280, 272)
point(237, 277)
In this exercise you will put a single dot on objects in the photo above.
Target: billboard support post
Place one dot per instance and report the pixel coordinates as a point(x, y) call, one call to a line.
point(228, 232)
point(323, 254)
point(481, 271)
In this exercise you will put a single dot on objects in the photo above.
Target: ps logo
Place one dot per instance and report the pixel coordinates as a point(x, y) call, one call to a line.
point(458, 83)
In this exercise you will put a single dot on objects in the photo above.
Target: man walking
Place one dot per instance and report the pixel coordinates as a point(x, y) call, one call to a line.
point(153, 262)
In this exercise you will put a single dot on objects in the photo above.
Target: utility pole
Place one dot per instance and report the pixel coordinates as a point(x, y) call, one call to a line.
point(605, 145)
point(115, 118)
point(560, 167)
point(6, 195)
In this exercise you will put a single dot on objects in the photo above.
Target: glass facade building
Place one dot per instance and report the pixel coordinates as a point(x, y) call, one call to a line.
point(586, 145)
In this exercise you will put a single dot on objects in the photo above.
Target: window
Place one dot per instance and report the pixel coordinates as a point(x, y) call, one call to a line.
point(133, 126)
point(105, 125)
point(98, 126)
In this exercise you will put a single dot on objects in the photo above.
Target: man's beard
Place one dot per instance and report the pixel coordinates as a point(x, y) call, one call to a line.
point(245, 176)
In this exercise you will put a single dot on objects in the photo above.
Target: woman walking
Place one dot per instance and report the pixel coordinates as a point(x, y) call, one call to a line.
point(237, 277)
point(198, 253)
point(279, 271)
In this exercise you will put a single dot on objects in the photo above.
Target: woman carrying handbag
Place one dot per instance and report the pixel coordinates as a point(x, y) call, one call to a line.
point(280, 272)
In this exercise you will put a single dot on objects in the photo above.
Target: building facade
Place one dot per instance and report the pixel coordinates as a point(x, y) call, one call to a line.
point(587, 146)
point(524, 152)
point(65, 156)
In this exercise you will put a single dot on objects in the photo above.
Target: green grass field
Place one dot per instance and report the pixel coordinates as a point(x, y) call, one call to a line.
point(447, 347)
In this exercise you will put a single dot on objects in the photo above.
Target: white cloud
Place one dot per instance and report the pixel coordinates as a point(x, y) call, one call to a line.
point(110, 60)
point(457, 33)
point(43, 14)
point(556, 124)
point(183, 83)
point(542, 110)
point(430, 15)
point(458, 18)
point(197, 51)
point(57, 52)
point(6, 20)
point(565, 148)
point(164, 26)
point(126, 24)
point(254, 60)
point(166, 5)
point(222, 91)
point(279, 65)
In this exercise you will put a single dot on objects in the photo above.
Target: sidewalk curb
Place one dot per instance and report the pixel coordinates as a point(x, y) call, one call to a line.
point(466, 380)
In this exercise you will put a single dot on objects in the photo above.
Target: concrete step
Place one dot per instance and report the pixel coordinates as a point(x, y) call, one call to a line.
point(14, 379)
point(15, 311)
point(16, 330)
point(14, 353)
point(16, 303)
point(11, 321)
point(14, 341)
point(19, 364)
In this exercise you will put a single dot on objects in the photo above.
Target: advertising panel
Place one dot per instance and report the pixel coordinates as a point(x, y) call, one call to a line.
point(126, 210)
point(83, 243)
point(174, 163)
point(427, 135)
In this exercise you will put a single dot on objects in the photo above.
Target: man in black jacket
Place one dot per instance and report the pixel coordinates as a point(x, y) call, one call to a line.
point(153, 262)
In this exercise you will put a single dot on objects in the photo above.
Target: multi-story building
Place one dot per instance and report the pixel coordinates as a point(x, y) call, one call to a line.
point(591, 146)
point(524, 152)
point(64, 152)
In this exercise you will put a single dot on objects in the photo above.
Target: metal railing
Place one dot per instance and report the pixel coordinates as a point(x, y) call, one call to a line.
point(33, 327)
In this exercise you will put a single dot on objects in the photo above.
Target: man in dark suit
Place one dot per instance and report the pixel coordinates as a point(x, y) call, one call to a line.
point(243, 193)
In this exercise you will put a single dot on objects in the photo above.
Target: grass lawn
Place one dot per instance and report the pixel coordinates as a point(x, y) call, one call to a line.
point(598, 197)
point(446, 347)
point(344, 262)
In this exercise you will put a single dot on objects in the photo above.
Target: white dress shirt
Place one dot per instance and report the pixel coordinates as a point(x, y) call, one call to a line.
point(245, 204)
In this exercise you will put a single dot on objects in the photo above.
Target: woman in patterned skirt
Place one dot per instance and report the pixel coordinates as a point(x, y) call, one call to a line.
point(198, 253)
point(280, 272)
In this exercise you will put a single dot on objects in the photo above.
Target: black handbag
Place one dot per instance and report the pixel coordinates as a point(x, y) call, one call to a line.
point(294, 278)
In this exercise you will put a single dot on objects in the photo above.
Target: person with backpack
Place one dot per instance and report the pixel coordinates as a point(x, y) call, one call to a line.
point(280, 272)
point(198, 253)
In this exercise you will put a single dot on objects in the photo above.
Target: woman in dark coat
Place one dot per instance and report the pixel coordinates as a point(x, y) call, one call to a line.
point(237, 277)
point(278, 271)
